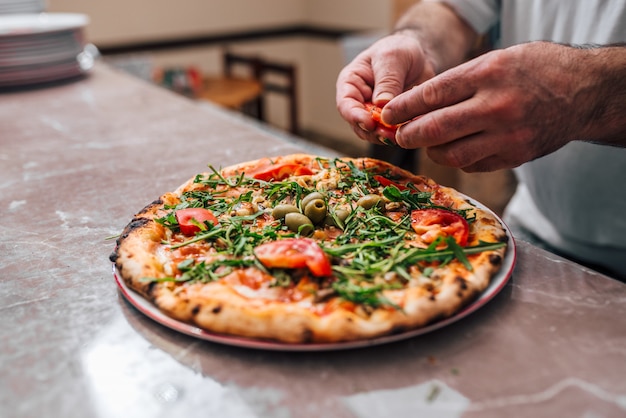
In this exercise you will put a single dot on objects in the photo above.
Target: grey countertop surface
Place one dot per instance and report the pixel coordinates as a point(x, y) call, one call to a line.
point(78, 159)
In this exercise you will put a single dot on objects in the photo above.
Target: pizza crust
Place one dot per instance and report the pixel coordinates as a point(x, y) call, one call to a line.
point(227, 306)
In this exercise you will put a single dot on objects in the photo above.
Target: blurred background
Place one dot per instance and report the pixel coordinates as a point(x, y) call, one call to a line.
point(182, 45)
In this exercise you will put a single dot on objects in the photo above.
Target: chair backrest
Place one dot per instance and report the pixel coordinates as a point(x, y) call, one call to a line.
point(263, 70)
point(252, 64)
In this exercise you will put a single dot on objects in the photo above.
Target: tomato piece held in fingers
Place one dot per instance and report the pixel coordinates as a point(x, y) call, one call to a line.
point(278, 172)
point(294, 253)
point(430, 224)
point(388, 131)
point(189, 218)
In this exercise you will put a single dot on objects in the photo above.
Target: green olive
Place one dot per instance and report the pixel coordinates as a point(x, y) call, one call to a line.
point(297, 222)
point(369, 201)
point(315, 210)
point(311, 196)
point(280, 211)
point(337, 218)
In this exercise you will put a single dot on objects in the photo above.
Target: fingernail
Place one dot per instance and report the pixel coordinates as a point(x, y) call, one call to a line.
point(385, 141)
point(384, 96)
point(360, 125)
point(382, 115)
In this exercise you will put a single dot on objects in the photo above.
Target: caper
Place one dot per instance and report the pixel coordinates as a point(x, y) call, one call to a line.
point(369, 201)
point(311, 196)
point(280, 211)
point(298, 222)
point(337, 218)
point(315, 210)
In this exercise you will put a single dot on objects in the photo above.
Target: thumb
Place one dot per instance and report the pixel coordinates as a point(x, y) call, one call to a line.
point(398, 67)
point(388, 85)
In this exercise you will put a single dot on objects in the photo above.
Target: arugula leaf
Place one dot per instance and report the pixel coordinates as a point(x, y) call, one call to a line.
point(364, 295)
point(414, 200)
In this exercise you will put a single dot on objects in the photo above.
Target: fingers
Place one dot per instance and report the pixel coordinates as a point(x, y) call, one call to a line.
point(447, 89)
point(389, 77)
point(351, 91)
point(376, 135)
point(377, 75)
point(480, 152)
point(445, 125)
point(394, 70)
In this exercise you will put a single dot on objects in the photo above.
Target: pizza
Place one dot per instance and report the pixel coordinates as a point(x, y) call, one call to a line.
point(303, 249)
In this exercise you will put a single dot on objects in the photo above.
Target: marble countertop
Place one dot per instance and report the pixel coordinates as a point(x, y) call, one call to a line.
point(78, 159)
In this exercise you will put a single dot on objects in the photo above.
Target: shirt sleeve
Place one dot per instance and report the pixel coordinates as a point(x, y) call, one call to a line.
point(481, 15)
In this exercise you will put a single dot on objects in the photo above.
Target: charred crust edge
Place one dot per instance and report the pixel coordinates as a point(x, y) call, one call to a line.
point(136, 223)
point(158, 202)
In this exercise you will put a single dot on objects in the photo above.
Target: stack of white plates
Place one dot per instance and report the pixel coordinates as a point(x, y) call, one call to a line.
point(43, 47)
point(22, 6)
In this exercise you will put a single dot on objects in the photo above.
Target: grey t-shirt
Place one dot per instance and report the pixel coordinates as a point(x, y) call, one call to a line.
point(575, 198)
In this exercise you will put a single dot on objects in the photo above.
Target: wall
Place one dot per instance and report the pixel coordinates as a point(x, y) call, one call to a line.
point(120, 22)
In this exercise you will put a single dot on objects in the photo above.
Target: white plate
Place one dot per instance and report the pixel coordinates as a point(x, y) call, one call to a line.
point(37, 23)
point(147, 308)
point(75, 66)
point(40, 49)
point(22, 6)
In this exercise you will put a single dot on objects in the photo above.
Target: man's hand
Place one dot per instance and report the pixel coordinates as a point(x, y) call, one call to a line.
point(504, 108)
point(377, 75)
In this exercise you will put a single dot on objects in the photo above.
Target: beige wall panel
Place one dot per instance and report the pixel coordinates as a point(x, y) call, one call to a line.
point(118, 21)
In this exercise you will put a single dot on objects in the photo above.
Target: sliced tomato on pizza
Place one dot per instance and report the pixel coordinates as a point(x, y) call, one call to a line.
point(430, 224)
point(192, 220)
point(294, 253)
point(278, 172)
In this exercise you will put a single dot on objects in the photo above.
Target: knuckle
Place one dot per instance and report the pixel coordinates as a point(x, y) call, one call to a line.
point(509, 108)
point(498, 63)
point(431, 95)
point(521, 136)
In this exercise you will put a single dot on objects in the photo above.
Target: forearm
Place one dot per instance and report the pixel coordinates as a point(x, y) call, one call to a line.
point(446, 38)
point(606, 118)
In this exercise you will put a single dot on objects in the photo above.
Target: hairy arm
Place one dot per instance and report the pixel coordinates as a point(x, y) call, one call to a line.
point(605, 119)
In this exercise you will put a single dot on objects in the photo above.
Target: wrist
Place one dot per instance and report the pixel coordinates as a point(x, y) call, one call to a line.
point(605, 100)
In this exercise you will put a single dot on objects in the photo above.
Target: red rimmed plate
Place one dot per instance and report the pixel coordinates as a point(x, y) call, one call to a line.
point(498, 283)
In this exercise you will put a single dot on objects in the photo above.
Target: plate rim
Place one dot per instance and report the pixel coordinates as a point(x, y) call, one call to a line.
point(496, 285)
point(29, 24)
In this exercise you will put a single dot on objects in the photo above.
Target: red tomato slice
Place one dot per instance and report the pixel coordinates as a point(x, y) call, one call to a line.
point(294, 253)
point(185, 216)
point(384, 181)
point(389, 131)
point(278, 172)
point(433, 223)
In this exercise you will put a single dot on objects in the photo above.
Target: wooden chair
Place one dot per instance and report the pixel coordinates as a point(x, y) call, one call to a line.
point(265, 73)
point(229, 90)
